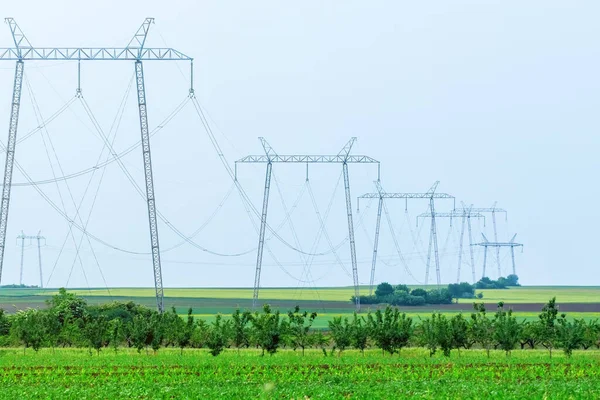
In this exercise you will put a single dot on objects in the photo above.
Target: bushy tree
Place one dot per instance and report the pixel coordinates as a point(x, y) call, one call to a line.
point(299, 327)
point(360, 333)
point(459, 328)
point(547, 325)
point(185, 331)
point(218, 336)
point(341, 333)
point(591, 335)
point(116, 333)
point(96, 332)
point(481, 328)
point(384, 289)
point(28, 326)
point(570, 334)
point(268, 329)
point(507, 329)
point(463, 290)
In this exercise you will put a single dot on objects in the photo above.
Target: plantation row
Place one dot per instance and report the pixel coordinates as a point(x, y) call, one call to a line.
point(71, 322)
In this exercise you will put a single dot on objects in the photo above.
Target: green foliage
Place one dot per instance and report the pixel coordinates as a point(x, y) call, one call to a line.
point(96, 332)
point(384, 289)
point(570, 334)
point(28, 327)
point(341, 333)
point(218, 336)
point(459, 329)
point(507, 329)
point(268, 329)
point(501, 283)
point(359, 333)
point(299, 327)
point(390, 330)
point(481, 328)
point(463, 290)
point(546, 331)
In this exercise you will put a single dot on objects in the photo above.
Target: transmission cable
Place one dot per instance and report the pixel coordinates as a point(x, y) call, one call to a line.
point(38, 116)
point(395, 240)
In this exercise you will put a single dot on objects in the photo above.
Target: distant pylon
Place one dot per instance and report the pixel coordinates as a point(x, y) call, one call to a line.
point(22, 237)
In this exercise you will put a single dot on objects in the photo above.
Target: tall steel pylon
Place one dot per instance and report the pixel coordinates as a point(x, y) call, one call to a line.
point(511, 244)
point(465, 215)
point(134, 51)
point(343, 157)
point(22, 237)
point(493, 211)
point(431, 194)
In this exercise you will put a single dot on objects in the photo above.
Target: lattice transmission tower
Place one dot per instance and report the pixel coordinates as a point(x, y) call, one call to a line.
point(497, 245)
point(465, 214)
point(430, 195)
point(38, 238)
point(342, 157)
point(136, 52)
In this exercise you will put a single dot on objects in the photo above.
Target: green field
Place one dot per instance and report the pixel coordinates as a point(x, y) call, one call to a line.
point(525, 294)
point(328, 302)
point(74, 374)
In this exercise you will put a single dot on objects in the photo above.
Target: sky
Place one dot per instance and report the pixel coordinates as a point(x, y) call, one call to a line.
point(496, 100)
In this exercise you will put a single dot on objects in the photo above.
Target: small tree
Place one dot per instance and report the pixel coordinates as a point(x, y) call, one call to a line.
point(428, 336)
point(570, 335)
point(200, 334)
point(591, 335)
point(529, 334)
point(547, 325)
point(460, 332)
point(185, 331)
point(28, 327)
point(359, 333)
point(443, 333)
point(507, 330)
point(268, 329)
point(481, 328)
point(319, 340)
point(96, 332)
point(241, 328)
point(341, 333)
point(384, 328)
point(218, 336)
point(299, 327)
point(404, 331)
point(116, 333)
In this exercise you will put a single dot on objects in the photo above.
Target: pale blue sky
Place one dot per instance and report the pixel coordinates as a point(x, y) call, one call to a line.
point(497, 99)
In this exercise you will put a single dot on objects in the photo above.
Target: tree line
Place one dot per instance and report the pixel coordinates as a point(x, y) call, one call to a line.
point(70, 322)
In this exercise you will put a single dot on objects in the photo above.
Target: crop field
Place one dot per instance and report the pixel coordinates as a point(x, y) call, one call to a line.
point(580, 302)
point(75, 374)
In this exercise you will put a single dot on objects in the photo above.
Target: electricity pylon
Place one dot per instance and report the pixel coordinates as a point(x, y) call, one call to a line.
point(22, 237)
point(465, 215)
point(430, 195)
point(135, 51)
point(491, 210)
point(343, 157)
point(486, 243)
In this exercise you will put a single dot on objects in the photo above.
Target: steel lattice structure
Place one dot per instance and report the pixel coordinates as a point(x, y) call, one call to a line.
point(134, 51)
point(22, 237)
point(430, 195)
point(490, 210)
point(343, 157)
point(486, 243)
point(465, 214)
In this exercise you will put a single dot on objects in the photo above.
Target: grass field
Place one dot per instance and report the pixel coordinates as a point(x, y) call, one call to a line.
point(328, 302)
point(525, 294)
point(74, 374)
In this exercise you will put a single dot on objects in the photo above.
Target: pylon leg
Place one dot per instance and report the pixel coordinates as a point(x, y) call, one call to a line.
point(10, 156)
point(261, 235)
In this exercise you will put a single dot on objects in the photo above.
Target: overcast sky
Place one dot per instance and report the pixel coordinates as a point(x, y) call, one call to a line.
point(497, 100)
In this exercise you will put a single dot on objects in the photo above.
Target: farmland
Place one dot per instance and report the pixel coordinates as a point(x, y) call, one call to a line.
point(74, 374)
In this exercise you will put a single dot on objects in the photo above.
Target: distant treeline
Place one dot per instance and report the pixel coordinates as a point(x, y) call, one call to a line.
point(70, 322)
point(402, 295)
